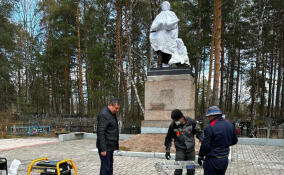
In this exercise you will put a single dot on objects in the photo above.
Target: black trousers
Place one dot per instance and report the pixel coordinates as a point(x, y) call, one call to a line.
point(183, 156)
point(106, 163)
point(215, 166)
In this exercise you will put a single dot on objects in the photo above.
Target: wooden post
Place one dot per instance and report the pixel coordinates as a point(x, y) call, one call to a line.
point(268, 133)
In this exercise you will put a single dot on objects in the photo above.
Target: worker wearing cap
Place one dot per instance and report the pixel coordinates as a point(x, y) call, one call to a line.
point(182, 130)
point(219, 135)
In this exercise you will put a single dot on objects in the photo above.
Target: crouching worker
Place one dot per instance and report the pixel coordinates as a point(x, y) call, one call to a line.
point(182, 130)
point(219, 135)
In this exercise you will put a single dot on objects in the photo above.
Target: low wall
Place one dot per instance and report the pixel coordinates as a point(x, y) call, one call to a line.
point(71, 136)
point(84, 135)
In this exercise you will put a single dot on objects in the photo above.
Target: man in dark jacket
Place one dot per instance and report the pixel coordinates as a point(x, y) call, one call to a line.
point(182, 130)
point(219, 135)
point(108, 136)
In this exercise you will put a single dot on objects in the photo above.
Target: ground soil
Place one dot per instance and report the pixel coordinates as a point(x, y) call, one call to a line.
point(149, 143)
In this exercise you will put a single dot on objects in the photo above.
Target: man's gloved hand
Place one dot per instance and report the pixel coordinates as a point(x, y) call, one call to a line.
point(168, 155)
point(200, 160)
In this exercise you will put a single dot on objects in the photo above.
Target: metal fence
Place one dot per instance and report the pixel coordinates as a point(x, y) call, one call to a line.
point(30, 130)
point(60, 125)
point(270, 133)
point(130, 129)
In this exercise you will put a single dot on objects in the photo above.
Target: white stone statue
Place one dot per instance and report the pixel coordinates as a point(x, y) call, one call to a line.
point(180, 56)
point(164, 37)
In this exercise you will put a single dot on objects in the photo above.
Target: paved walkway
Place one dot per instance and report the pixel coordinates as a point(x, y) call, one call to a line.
point(8, 144)
point(246, 159)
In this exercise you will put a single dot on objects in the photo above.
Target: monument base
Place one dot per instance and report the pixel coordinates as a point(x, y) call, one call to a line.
point(167, 89)
point(155, 126)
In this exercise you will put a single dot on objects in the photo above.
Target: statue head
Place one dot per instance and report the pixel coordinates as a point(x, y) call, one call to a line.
point(165, 6)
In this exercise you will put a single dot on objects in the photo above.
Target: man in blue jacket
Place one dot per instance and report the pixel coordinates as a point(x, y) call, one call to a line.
point(219, 135)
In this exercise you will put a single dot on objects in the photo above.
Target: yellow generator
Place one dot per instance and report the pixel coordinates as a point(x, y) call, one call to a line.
point(3, 165)
point(46, 167)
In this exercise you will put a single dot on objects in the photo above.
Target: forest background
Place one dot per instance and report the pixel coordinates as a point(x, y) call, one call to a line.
point(68, 57)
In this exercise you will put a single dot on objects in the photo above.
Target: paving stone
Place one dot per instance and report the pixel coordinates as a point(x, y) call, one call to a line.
point(246, 159)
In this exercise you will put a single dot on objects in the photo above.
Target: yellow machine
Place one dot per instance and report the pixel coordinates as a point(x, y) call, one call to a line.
point(3, 165)
point(46, 167)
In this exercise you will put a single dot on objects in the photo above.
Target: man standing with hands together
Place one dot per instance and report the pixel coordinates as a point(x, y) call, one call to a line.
point(108, 136)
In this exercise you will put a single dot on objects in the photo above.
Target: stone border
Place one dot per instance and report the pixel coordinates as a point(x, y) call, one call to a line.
point(137, 154)
point(153, 130)
point(261, 141)
point(71, 136)
point(26, 146)
point(84, 135)
point(146, 154)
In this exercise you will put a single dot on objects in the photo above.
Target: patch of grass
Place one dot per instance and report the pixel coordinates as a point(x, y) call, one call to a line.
point(147, 150)
point(123, 148)
point(9, 136)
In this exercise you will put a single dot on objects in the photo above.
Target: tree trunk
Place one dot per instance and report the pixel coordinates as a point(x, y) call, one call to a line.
point(19, 90)
point(151, 51)
point(196, 76)
point(128, 63)
point(237, 82)
point(281, 45)
point(137, 93)
point(119, 61)
point(27, 85)
point(272, 114)
point(262, 97)
point(132, 87)
point(270, 86)
point(222, 68)
point(53, 92)
point(89, 106)
point(231, 80)
point(211, 59)
point(67, 84)
point(282, 98)
point(118, 35)
point(80, 74)
point(217, 52)
point(203, 84)
point(255, 87)
point(277, 102)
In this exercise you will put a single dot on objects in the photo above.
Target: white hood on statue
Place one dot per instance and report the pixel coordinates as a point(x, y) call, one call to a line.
point(166, 6)
point(164, 35)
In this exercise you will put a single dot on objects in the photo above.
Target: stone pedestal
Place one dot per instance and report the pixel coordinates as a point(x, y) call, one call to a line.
point(165, 90)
